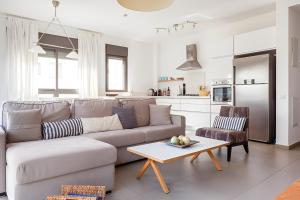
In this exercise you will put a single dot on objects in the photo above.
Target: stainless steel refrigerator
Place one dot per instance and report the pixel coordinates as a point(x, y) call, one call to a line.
point(254, 87)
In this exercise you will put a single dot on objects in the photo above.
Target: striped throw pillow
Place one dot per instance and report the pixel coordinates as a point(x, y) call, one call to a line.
point(230, 123)
point(64, 128)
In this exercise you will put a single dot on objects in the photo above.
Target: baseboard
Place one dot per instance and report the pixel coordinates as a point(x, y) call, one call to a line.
point(288, 147)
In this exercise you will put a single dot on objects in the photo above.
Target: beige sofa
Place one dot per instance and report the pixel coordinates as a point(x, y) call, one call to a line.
point(34, 169)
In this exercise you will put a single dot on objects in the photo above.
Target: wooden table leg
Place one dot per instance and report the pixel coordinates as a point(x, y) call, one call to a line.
point(195, 156)
point(143, 169)
point(159, 176)
point(215, 160)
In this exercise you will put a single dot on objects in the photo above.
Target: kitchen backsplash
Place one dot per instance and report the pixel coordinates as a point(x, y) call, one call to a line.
point(192, 79)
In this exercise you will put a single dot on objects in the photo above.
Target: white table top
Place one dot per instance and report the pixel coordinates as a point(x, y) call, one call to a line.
point(163, 153)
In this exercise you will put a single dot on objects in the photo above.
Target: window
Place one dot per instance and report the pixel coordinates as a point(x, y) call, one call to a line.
point(57, 75)
point(116, 68)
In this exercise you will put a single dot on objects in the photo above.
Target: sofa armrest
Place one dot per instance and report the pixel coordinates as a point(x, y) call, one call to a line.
point(2, 160)
point(178, 120)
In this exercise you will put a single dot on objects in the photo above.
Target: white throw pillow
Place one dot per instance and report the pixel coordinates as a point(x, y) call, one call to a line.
point(100, 124)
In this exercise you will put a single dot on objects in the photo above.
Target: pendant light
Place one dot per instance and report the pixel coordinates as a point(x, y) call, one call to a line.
point(37, 47)
point(145, 5)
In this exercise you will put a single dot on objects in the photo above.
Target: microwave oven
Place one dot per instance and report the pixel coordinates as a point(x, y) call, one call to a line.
point(222, 94)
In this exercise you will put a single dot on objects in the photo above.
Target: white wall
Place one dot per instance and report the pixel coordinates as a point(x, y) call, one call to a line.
point(288, 79)
point(172, 51)
point(140, 64)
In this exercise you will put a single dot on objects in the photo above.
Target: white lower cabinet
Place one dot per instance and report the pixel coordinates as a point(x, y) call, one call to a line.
point(196, 111)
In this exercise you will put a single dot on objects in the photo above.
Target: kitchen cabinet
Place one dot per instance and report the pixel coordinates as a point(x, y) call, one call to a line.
point(259, 40)
point(196, 110)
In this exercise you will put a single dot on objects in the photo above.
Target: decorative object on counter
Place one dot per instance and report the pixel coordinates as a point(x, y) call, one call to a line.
point(151, 92)
point(183, 90)
point(159, 92)
point(203, 91)
point(168, 92)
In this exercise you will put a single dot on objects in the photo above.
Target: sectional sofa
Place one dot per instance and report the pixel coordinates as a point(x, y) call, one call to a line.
point(31, 170)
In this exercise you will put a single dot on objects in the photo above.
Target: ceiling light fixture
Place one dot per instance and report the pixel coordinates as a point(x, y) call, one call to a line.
point(145, 5)
point(37, 47)
point(176, 27)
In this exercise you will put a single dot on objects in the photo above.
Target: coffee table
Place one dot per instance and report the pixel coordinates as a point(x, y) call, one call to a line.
point(160, 152)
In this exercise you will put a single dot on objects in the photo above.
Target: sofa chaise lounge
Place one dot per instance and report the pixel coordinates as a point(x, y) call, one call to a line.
point(31, 170)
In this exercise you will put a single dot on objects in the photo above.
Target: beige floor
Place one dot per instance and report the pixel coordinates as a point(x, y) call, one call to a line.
point(261, 176)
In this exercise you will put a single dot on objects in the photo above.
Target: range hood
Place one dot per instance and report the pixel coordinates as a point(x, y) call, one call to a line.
point(192, 62)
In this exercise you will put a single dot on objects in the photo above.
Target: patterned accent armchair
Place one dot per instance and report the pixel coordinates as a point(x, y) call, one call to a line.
point(235, 138)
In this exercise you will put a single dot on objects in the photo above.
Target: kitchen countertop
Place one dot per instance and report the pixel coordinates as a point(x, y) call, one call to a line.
point(164, 97)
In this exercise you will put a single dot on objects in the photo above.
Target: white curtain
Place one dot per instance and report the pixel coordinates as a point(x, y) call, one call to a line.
point(21, 63)
point(89, 62)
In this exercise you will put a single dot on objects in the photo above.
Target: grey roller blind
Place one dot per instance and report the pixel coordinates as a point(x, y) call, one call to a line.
point(114, 50)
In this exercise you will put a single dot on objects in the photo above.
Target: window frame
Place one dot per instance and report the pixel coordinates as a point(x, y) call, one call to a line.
point(56, 91)
point(125, 61)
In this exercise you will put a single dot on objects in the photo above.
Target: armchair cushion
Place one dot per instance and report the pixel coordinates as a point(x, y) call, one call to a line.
point(230, 123)
point(232, 136)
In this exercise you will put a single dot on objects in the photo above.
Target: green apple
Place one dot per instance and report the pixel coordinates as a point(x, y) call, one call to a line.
point(174, 140)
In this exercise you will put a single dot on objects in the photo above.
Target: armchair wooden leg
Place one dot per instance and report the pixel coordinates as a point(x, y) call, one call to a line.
point(229, 148)
point(246, 147)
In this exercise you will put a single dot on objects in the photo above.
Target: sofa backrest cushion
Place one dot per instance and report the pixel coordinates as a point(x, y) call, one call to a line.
point(160, 115)
point(24, 125)
point(91, 108)
point(126, 116)
point(142, 110)
point(50, 111)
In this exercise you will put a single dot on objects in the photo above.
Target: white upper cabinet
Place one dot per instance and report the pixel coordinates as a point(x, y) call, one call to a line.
point(260, 40)
point(222, 47)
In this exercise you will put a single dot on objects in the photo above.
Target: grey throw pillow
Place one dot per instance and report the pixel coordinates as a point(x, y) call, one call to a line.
point(24, 125)
point(160, 115)
point(126, 116)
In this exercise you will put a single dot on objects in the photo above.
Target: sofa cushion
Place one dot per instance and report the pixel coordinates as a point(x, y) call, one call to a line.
point(51, 111)
point(24, 125)
point(162, 132)
point(119, 138)
point(126, 116)
point(64, 128)
point(39, 160)
point(160, 115)
point(142, 110)
point(93, 108)
point(100, 124)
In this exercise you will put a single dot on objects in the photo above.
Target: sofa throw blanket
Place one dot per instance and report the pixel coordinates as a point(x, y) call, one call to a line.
point(230, 123)
point(64, 128)
point(100, 124)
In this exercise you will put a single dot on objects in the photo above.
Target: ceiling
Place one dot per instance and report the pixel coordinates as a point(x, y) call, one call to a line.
point(107, 16)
